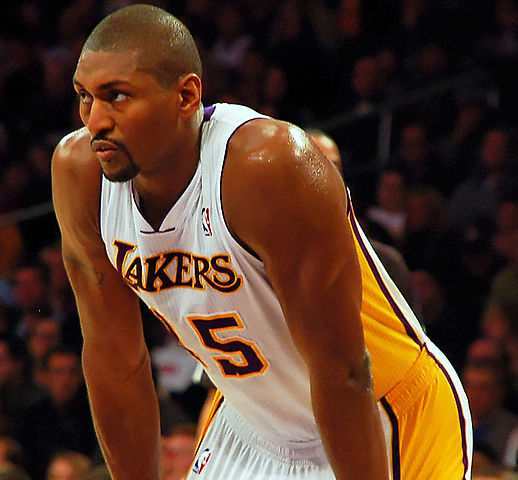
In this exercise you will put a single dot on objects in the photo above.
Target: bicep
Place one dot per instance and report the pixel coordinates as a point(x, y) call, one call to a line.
point(108, 309)
point(316, 275)
point(296, 221)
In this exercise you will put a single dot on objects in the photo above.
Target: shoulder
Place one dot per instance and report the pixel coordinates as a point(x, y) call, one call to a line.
point(73, 153)
point(268, 136)
point(274, 172)
point(266, 152)
point(76, 180)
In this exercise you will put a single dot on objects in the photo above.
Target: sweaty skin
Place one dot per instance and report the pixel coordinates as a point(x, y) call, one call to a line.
point(150, 132)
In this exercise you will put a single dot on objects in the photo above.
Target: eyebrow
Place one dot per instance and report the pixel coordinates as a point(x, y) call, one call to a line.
point(104, 86)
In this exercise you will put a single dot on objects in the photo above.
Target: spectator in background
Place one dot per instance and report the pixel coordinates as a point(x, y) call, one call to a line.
point(475, 199)
point(389, 212)
point(42, 230)
point(486, 386)
point(18, 392)
point(22, 87)
point(427, 240)
point(328, 147)
point(60, 291)
point(511, 451)
point(68, 466)
point(30, 287)
point(61, 420)
point(487, 349)
point(499, 48)
point(13, 185)
point(369, 84)
point(61, 296)
point(417, 159)
point(43, 338)
point(31, 296)
point(11, 249)
point(460, 145)
point(441, 315)
point(180, 399)
point(433, 66)
point(492, 472)
point(292, 45)
point(98, 473)
point(432, 62)
point(476, 266)
point(58, 94)
point(500, 320)
point(250, 77)
point(232, 39)
point(500, 324)
point(200, 14)
point(274, 99)
point(11, 460)
point(178, 451)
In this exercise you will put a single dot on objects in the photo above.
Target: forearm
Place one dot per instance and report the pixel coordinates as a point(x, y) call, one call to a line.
point(126, 417)
point(349, 422)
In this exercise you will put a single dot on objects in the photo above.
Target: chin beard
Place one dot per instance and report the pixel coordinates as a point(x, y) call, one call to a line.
point(129, 173)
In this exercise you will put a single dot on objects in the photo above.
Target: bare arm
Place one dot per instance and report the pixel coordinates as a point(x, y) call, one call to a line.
point(295, 220)
point(115, 358)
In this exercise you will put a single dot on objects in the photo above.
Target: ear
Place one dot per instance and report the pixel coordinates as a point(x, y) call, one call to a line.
point(189, 89)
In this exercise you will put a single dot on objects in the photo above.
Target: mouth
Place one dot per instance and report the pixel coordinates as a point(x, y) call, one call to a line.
point(104, 149)
point(100, 146)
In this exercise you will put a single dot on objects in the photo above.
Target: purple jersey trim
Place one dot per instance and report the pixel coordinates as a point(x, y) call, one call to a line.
point(207, 112)
point(408, 328)
point(396, 460)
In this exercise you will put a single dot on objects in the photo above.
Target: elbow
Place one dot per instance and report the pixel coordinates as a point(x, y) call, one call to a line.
point(360, 374)
point(353, 374)
point(107, 362)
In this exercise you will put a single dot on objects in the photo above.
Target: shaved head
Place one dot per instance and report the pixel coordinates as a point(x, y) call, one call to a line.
point(164, 45)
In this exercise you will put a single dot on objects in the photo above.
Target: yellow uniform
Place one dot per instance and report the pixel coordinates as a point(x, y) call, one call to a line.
point(420, 394)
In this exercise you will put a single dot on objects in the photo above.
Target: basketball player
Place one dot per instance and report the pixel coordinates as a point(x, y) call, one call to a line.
point(239, 235)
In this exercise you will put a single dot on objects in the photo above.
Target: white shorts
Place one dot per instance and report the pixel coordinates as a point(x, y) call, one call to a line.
point(232, 450)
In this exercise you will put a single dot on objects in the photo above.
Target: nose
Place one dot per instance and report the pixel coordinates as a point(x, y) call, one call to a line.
point(99, 118)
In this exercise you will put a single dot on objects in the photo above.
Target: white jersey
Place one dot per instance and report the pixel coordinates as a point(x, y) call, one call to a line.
point(211, 292)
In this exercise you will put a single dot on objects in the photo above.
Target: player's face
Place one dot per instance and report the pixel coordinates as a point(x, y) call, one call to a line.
point(130, 116)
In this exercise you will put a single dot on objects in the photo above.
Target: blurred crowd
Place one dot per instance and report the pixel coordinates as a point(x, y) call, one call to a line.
point(418, 98)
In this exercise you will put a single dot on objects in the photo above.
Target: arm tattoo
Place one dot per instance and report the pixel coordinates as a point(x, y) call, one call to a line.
point(74, 263)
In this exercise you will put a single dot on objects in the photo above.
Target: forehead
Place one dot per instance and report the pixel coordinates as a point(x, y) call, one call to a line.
point(96, 68)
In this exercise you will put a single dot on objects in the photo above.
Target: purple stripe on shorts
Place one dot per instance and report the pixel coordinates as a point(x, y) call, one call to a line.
point(396, 460)
point(459, 411)
point(408, 328)
point(208, 111)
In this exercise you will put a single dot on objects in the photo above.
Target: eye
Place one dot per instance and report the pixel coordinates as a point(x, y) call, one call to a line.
point(84, 98)
point(117, 96)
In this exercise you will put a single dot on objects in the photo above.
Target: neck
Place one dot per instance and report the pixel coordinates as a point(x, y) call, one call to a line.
point(158, 191)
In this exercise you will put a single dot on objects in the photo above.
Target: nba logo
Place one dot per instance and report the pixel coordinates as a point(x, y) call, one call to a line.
point(205, 222)
point(201, 461)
